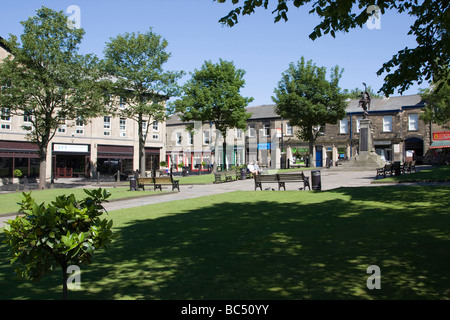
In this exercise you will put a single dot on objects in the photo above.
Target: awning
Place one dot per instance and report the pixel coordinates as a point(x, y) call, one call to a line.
point(440, 144)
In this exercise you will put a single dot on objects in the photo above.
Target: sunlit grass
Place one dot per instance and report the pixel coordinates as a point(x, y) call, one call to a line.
point(269, 245)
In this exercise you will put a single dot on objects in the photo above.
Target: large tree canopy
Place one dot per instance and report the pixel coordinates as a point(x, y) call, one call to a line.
point(213, 95)
point(47, 80)
point(309, 100)
point(137, 60)
point(426, 62)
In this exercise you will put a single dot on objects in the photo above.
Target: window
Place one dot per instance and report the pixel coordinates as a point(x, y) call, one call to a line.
point(6, 114)
point(62, 126)
point(122, 103)
point(106, 133)
point(155, 136)
point(413, 122)
point(106, 122)
point(206, 139)
point(358, 124)
point(387, 124)
point(266, 130)
point(123, 124)
point(155, 126)
point(179, 138)
point(79, 125)
point(5, 126)
point(251, 130)
point(27, 116)
point(144, 125)
point(343, 126)
point(190, 138)
point(238, 133)
point(289, 130)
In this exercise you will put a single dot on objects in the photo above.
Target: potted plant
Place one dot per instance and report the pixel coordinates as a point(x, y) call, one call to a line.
point(16, 175)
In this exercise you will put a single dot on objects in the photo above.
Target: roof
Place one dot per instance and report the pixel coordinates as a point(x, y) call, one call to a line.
point(387, 104)
point(377, 105)
point(262, 112)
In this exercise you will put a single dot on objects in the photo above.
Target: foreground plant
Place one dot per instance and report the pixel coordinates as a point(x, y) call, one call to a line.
point(64, 233)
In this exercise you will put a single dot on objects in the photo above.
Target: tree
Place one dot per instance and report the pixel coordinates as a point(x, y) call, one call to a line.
point(136, 60)
point(356, 93)
point(213, 95)
point(428, 61)
point(309, 100)
point(437, 108)
point(46, 79)
point(65, 232)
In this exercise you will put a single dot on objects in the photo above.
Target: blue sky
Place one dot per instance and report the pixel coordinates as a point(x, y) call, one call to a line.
point(257, 45)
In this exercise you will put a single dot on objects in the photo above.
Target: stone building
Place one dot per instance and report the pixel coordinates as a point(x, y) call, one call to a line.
point(79, 148)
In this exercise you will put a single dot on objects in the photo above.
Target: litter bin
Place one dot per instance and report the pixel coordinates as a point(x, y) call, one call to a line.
point(315, 180)
point(133, 185)
point(184, 171)
point(243, 173)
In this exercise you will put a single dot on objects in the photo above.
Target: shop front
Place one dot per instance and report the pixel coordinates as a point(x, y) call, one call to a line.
point(113, 159)
point(70, 160)
point(18, 155)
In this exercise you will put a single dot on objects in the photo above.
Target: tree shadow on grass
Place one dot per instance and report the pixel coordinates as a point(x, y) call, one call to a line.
point(281, 250)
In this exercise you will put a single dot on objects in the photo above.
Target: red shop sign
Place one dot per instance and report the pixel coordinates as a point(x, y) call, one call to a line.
point(441, 135)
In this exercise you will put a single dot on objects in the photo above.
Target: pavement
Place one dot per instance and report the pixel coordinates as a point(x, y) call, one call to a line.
point(330, 179)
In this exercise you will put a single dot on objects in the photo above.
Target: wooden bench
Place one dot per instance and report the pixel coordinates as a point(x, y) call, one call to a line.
point(409, 167)
point(158, 182)
point(293, 177)
point(268, 178)
point(387, 169)
point(281, 180)
point(223, 176)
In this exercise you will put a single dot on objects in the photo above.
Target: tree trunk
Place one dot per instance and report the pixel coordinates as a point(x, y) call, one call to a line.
point(43, 168)
point(65, 277)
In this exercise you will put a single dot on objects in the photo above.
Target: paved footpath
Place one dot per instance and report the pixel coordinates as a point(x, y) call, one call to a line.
point(330, 179)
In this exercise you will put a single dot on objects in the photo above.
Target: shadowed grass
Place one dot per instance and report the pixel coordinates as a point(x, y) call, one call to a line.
point(9, 201)
point(269, 245)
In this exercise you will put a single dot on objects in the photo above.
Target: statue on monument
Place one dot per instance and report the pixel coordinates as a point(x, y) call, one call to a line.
point(364, 102)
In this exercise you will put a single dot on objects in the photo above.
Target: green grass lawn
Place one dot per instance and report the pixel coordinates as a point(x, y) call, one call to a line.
point(437, 174)
point(9, 201)
point(268, 245)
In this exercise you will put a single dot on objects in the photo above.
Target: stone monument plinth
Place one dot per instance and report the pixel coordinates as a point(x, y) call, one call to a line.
point(366, 157)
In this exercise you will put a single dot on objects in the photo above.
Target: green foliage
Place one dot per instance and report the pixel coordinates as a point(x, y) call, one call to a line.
point(437, 108)
point(17, 173)
point(136, 61)
point(48, 80)
point(428, 61)
point(66, 232)
point(308, 99)
point(213, 95)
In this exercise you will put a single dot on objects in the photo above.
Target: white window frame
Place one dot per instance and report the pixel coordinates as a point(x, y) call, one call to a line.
point(289, 130)
point(238, 133)
point(179, 138)
point(358, 124)
point(387, 123)
point(107, 122)
point(6, 114)
point(343, 126)
point(123, 124)
point(251, 131)
point(5, 126)
point(206, 137)
point(266, 130)
point(79, 126)
point(155, 125)
point(413, 122)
